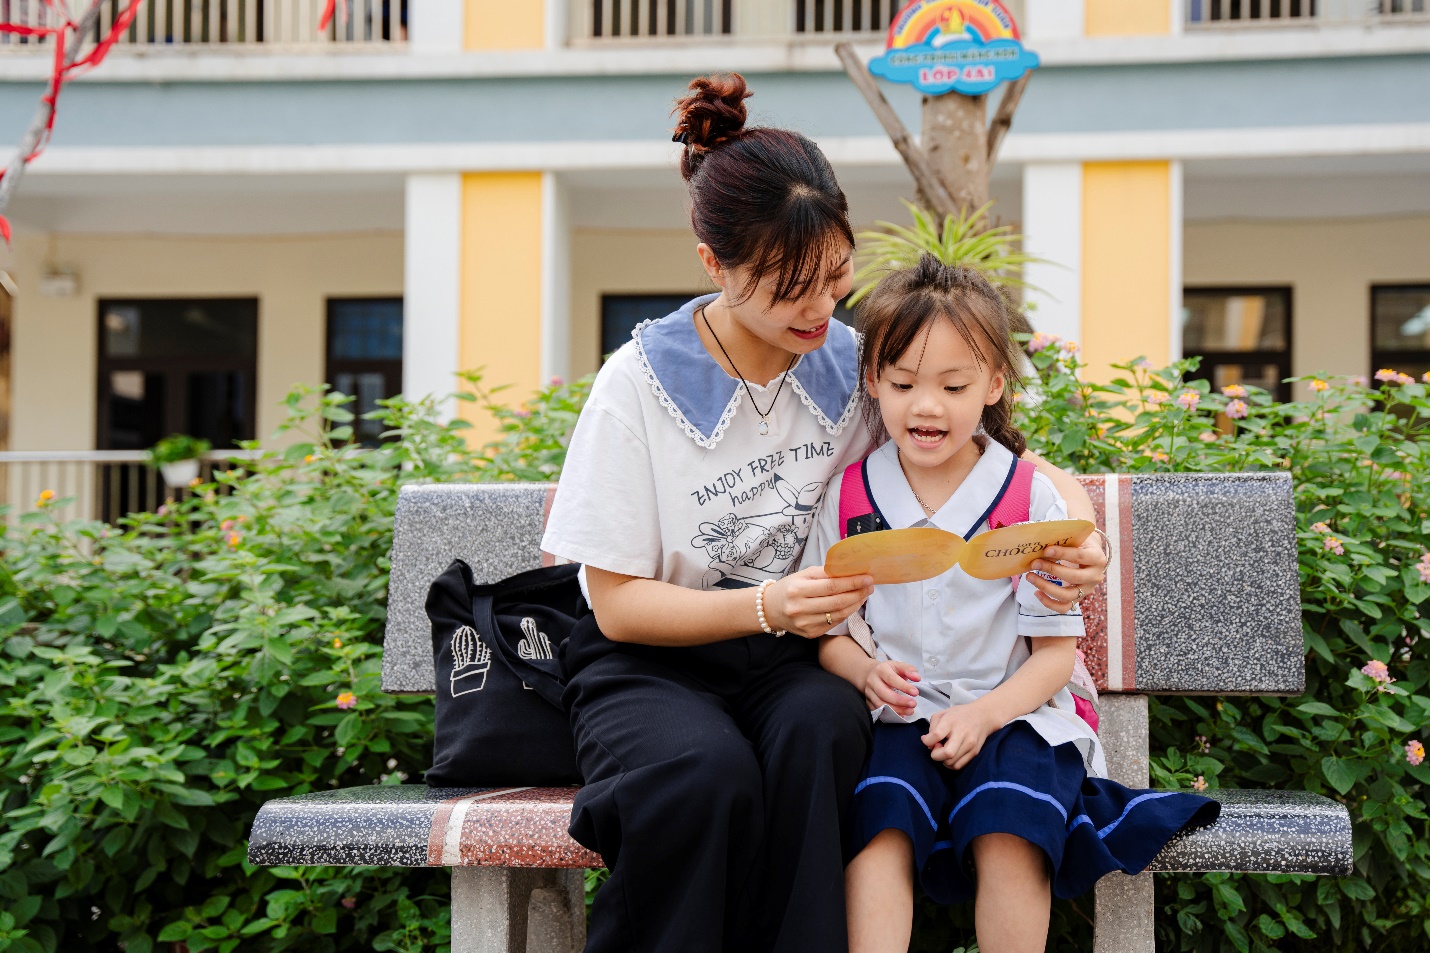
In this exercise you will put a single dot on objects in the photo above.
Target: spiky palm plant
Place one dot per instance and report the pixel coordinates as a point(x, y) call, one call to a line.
point(964, 240)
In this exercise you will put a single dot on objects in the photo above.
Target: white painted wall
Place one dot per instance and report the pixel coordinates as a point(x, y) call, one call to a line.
point(431, 308)
point(1052, 230)
point(55, 347)
point(1330, 266)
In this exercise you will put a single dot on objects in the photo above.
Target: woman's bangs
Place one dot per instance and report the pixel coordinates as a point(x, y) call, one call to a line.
point(804, 259)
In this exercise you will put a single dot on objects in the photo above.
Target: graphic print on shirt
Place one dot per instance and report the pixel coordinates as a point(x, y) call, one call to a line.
point(471, 660)
point(748, 549)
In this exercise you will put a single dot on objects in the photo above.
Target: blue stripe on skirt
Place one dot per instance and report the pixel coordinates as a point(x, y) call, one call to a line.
point(1017, 785)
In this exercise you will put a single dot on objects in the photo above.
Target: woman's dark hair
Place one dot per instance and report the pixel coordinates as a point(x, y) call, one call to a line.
point(761, 198)
point(906, 302)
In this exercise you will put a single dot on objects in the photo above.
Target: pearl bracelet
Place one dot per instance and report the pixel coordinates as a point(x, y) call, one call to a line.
point(760, 608)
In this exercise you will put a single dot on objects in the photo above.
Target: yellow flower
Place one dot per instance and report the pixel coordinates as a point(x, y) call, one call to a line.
point(309, 458)
point(347, 700)
point(45, 497)
point(1319, 385)
point(337, 643)
point(195, 482)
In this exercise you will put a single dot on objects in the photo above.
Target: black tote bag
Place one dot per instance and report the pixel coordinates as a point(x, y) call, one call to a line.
point(499, 716)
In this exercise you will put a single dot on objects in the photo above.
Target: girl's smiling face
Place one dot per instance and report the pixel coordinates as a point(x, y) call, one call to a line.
point(932, 396)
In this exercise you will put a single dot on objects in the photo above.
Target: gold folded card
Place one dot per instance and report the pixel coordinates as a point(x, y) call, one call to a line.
point(911, 555)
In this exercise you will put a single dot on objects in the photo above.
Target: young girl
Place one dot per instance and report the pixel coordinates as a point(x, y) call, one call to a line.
point(981, 780)
point(719, 759)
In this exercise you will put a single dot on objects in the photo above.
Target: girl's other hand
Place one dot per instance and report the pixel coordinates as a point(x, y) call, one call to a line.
point(956, 734)
point(810, 602)
point(1081, 570)
point(892, 683)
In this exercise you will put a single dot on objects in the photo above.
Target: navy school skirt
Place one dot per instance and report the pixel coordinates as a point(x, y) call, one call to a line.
point(1019, 785)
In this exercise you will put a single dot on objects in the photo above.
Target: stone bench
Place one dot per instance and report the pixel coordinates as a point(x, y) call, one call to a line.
point(1203, 598)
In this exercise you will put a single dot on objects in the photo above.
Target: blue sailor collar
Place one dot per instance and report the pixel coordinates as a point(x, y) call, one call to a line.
point(972, 500)
point(703, 398)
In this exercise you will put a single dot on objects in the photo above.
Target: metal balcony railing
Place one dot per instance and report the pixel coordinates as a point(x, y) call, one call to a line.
point(1228, 12)
point(601, 21)
point(232, 24)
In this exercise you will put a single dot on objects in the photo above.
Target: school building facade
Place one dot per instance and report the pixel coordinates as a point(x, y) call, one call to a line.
point(231, 207)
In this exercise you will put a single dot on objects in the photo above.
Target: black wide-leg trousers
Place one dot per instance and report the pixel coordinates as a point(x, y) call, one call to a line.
point(717, 781)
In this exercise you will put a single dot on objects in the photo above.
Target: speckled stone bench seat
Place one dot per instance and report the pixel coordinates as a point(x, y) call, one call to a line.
point(1203, 597)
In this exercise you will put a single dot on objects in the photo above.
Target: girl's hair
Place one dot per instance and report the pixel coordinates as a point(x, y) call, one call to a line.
point(760, 197)
point(896, 313)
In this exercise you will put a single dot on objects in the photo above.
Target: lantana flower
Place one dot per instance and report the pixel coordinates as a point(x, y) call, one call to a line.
point(1041, 340)
point(1404, 379)
point(1415, 752)
point(1319, 385)
point(1237, 410)
point(1386, 374)
point(346, 700)
point(1142, 364)
point(1189, 399)
point(1200, 784)
point(1159, 456)
point(1320, 528)
point(1378, 672)
point(1423, 567)
point(337, 642)
point(1233, 390)
point(1334, 545)
point(1207, 436)
point(45, 497)
point(1157, 398)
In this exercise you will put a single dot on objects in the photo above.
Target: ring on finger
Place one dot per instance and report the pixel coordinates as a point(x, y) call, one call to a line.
point(828, 618)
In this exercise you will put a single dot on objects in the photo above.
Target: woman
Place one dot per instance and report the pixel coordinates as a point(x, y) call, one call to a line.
point(719, 758)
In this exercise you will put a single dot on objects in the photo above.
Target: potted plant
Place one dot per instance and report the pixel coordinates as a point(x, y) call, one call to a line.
point(177, 458)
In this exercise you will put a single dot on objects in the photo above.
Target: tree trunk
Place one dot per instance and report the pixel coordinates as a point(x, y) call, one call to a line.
point(955, 138)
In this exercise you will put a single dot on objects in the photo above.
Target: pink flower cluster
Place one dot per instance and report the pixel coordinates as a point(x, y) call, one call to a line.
point(346, 700)
point(1233, 390)
point(1423, 567)
point(1319, 385)
point(1334, 545)
point(1237, 410)
point(1040, 340)
point(1379, 673)
point(1415, 752)
point(1158, 398)
point(1189, 399)
point(1393, 377)
point(1200, 784)
point(1320, 528)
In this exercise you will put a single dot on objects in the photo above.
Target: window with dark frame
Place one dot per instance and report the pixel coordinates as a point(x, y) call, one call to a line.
point(364, 357)
point(176, 365)
point(620, 313)
point(1400, 329)
point(1242, 335)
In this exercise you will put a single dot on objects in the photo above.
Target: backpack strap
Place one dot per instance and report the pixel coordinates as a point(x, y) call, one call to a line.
point(1015, 505)
point(857, 512)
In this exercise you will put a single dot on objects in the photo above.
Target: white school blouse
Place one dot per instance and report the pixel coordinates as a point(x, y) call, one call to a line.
point(669, 476)
point(965, 635)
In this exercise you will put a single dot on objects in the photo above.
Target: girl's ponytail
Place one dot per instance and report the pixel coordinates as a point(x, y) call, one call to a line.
point(998, 423)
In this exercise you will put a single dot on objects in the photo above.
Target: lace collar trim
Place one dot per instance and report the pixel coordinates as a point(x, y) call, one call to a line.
point(703, 399)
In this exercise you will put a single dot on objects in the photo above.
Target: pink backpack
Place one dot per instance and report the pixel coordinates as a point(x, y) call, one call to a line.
point(858, 514)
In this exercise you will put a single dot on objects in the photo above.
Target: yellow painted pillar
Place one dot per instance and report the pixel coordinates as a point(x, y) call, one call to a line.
point(501, 279)
point(1130, 263)
point(504, 25)
point(1129, 17)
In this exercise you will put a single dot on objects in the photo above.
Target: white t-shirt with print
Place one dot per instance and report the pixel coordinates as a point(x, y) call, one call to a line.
point(670, 474)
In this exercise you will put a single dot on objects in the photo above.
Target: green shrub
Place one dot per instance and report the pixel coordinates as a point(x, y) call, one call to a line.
point(165, 676)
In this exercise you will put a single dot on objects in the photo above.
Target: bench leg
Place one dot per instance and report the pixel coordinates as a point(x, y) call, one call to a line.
point(518, 910)
point(1125, 906)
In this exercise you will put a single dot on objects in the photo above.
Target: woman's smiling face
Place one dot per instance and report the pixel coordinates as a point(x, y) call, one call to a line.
point(932, 396)
point(796, 325)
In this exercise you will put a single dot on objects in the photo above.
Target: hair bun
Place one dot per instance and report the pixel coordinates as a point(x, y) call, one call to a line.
point(713, 113)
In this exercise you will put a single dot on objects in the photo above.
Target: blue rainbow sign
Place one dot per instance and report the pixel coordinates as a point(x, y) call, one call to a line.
point(962, 46)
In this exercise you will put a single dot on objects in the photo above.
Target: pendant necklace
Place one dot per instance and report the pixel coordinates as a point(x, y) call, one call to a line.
point(764, 427)
point(927, 509)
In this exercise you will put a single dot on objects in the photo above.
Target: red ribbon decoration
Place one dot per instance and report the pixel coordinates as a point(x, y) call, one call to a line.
point(61, 72)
